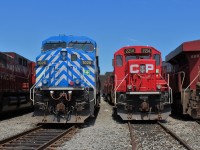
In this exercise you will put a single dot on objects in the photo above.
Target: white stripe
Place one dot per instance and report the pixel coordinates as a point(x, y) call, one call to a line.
point(60, 79)
point(77, 64)
point(55, 58)
point(50, 55)
point(82, 77)
point(40, 76)
point(88, 57)
point(91, 77)
point(70, 74)
point(41, 57)
point(91, 69)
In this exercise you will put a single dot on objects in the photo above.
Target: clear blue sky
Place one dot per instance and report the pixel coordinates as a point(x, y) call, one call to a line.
point(163, 24)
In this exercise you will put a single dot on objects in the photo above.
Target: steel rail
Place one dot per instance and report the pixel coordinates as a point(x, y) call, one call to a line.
point(19, 135)
point(37, 138)
point(198, 121)
point(133, 143)
point(175, 136)
point(46, 145)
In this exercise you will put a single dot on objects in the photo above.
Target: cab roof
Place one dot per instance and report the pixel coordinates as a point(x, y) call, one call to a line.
point(68, 39)
point(189, 46)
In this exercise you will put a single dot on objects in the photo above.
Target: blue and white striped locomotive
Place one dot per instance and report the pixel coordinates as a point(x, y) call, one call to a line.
point(67, 88)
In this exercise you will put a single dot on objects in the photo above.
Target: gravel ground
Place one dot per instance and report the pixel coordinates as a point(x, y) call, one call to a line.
point(153, 137)
point(186, 130)
point(104, 134)
point(16, 125)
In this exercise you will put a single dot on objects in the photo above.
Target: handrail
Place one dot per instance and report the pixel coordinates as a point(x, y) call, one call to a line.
point(170, 89)
point(33, 88)
point(189, 85)
point(118, 87)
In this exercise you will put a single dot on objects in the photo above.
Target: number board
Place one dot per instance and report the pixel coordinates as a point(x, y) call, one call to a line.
point(87, 62)
point(146, 50)
point(129, 51)
point(42, 63)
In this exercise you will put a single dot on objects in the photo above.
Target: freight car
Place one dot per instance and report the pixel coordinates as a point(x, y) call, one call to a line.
point(107, 86)
point(67, 88)
point(137, 88)
point(183, 67)
point(16, 76)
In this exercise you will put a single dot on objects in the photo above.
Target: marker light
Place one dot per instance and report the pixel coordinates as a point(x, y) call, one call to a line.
point(45, 81)
point(77, 81)
point(129, 87)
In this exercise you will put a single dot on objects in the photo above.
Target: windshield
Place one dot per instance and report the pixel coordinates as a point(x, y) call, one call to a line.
point(84, 46)
point(132, 57)
point(52, 46)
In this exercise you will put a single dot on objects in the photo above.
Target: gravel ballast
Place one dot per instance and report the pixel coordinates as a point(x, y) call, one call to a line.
point(189, 131)
point(104, 134)
point(16, 125)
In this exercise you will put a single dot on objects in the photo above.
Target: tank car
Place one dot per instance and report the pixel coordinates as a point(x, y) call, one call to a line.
point(139, 92)
point(17, 75)
point(183, 67)
point(67, 88)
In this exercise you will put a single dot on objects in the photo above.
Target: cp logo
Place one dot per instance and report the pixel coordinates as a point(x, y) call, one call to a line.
point(135, 68)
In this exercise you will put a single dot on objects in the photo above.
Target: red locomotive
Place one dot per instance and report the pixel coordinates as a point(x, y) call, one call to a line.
point(138, 90)
point(184, 78)
point(17, 75)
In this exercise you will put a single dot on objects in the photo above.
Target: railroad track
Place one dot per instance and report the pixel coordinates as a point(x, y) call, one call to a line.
point(147, 136)
point(175, 136)
point(133, 141)
point(38, 138)
point(198, 121)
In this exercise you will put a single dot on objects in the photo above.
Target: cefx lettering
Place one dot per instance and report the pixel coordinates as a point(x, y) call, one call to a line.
point(135, 68)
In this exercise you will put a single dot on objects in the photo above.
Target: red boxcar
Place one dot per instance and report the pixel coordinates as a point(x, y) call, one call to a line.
point(16, 77)
point(184, 78)
point(138, 89)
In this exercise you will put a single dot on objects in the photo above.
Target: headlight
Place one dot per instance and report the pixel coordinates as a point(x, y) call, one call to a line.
point(63, 55)
point(142, 68)
point(77, 81)
point(45, 81)
point(63, 58)
point(198, 84)
point(158, 86)
point(157, 70)
point(129, 87)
